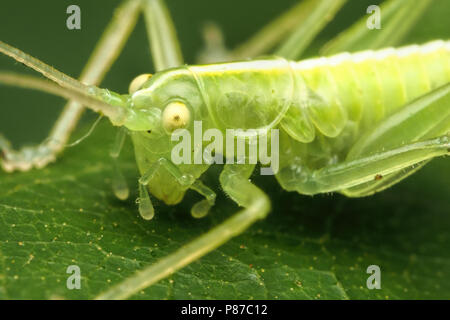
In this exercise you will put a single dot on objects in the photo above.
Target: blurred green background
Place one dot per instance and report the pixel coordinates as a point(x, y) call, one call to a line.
point(39, 28)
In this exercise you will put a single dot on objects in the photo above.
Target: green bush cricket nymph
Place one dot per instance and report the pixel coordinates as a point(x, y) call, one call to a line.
point(354, 123)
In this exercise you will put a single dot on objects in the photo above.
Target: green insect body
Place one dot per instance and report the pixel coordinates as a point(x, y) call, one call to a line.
point(322, 105)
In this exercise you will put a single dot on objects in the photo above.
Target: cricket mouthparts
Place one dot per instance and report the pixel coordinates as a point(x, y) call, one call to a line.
point(121, 111)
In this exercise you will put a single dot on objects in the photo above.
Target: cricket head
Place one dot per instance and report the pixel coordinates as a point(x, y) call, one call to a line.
point(154, 110)
point(163, 108)
point(164, 102)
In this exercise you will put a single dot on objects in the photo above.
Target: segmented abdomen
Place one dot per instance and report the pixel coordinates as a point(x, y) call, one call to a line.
point(365, 87)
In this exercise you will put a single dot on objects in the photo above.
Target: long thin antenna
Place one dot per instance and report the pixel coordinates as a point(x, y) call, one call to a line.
point(115, 113)
point(49, 72)
point(93, 97)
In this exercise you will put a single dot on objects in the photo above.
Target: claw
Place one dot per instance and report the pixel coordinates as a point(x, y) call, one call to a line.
point(145, 204)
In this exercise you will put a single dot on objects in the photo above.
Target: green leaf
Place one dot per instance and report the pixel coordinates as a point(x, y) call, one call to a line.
point(308, 247)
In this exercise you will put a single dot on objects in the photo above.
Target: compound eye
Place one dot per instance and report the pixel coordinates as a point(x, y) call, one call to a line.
point(176, 115)
point(137, 82)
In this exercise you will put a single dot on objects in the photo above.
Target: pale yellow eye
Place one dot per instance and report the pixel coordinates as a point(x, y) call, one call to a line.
point(176, 115)
point(137, 82)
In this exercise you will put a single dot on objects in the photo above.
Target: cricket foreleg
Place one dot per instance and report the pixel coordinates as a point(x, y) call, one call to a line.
point(119, 183)
point(234, 180)
point(106, 52)
point(199, 210)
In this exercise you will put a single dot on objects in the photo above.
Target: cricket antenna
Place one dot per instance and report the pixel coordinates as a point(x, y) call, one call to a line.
point(114, 113)
point(100, 100)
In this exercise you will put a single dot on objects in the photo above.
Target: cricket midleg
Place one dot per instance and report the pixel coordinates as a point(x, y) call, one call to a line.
point(102, 58)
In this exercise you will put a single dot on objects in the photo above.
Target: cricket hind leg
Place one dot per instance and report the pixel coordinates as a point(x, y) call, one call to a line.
point(410, 137)
point(214, 49)
point(398, 18)
point(424, 118)
point(164, 43)
point(374, 167)
point(303, 21)
point(381, 183)
point(256, 205)
point(105, 53)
